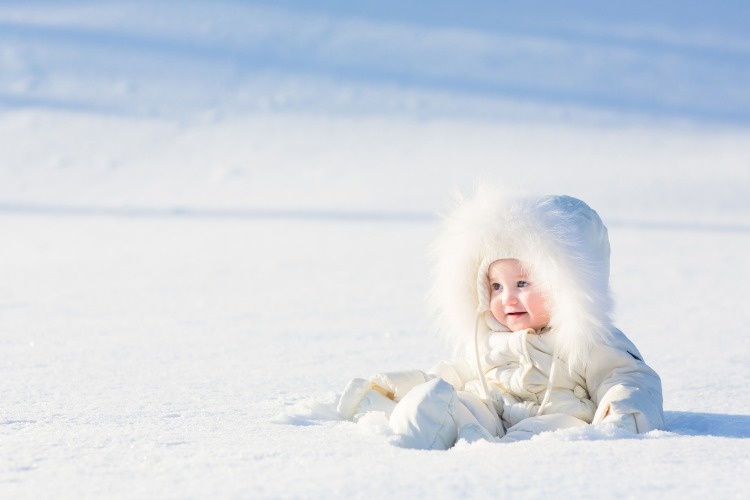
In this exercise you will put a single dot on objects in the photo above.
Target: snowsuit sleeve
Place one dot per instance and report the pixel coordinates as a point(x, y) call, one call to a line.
point(626, 391)
point(457, 372)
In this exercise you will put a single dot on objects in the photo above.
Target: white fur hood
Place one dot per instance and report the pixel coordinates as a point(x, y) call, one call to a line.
point(561, 242)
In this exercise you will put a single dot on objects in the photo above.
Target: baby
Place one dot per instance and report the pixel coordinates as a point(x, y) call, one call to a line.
point(522, 293)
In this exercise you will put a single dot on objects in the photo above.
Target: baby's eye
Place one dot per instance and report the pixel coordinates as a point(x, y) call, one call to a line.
point(497, 286)
point(522, 284)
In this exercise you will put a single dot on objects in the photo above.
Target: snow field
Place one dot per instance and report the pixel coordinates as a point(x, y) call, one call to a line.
point(180, 356)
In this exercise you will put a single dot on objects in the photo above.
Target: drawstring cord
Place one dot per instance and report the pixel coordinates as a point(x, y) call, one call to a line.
point(548, 391)
point(480, 373)
point(485, 387)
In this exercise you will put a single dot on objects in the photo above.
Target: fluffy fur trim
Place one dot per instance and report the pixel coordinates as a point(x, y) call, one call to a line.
point(561, 242)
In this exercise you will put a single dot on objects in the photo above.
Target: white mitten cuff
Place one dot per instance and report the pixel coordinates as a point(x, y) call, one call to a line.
point(395, 385)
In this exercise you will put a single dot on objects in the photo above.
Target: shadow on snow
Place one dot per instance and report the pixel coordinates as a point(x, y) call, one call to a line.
point(708, 424)
point(677, 422)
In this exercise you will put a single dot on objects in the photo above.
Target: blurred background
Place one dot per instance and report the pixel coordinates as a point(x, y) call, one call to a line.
point(671, 59)
point(336, 105)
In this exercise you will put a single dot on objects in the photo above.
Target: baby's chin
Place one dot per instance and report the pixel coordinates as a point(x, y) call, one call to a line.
point(522, 323)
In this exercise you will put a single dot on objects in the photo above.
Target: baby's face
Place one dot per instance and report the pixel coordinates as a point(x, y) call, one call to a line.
point(514, 300)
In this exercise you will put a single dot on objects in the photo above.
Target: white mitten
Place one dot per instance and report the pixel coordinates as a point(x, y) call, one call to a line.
point(359, 398)
point(395, 385)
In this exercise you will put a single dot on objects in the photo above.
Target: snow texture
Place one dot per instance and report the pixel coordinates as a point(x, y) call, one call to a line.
point(214, 214)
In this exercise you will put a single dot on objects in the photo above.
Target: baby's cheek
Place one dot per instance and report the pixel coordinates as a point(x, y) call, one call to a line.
point(496, 311)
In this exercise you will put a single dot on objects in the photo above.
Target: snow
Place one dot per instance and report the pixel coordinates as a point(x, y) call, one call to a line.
point(204, 237)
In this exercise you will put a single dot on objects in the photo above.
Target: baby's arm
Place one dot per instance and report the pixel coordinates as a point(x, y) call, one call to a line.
point(457, 372)
point(379, 392)
point(626, 391)
point(375, 392)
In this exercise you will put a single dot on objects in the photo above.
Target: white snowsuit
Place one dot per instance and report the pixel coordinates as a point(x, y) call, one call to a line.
point(577, 370)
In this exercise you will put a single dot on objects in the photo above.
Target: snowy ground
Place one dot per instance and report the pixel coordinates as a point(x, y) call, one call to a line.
point(184, 293)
